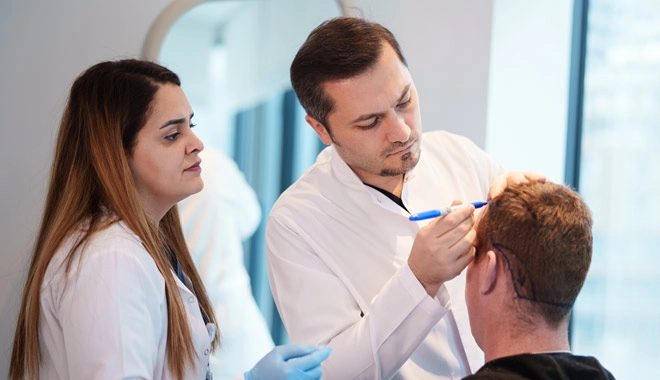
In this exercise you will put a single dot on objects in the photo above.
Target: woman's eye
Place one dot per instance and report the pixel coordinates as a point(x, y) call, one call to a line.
point(404, 104)
point(173, 136)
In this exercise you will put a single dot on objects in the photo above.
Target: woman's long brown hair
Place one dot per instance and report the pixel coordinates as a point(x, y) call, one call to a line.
point(91, 179)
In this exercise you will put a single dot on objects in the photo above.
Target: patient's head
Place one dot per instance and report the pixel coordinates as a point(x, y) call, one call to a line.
point(540, 237)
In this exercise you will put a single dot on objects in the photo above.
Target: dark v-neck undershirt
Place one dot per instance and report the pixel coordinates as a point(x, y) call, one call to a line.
point(393, 197)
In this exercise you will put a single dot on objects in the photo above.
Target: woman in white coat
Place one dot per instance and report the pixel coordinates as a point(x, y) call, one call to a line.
point(112, 291)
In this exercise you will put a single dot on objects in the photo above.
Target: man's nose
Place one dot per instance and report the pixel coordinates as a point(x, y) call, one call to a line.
point(397, 128)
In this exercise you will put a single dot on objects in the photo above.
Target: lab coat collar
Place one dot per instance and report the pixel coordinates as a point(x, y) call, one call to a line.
point(347, 178)
point(182, 287)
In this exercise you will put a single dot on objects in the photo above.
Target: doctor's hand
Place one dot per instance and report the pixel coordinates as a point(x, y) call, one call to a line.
point(443, 248)
point(290, 362)
point(513, 178)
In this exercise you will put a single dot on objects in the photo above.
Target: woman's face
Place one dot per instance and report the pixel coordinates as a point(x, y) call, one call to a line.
point(164, 160)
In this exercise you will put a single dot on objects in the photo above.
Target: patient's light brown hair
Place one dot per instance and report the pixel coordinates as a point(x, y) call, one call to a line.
point(543, 232)
point(90, 178)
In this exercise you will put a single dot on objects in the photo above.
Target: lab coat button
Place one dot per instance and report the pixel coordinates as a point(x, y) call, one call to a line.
point(191, 299)
point(206, 352)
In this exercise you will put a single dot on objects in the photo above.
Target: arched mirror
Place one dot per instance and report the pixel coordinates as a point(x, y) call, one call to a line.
point(233, 58)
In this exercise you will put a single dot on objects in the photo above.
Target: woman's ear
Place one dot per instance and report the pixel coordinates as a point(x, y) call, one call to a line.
point(320, 129)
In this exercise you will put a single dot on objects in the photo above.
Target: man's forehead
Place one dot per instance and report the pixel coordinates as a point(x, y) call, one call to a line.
point(353, 98)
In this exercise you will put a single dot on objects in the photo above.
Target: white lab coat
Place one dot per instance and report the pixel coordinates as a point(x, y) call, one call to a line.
point(107, 319)
point(338, 249)
point(215, 223)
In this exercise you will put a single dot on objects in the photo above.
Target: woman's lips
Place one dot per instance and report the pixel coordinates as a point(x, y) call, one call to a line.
point(194, 167)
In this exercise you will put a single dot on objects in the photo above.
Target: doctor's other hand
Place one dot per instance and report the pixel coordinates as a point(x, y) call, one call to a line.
point(290, 362)
point(513, 178)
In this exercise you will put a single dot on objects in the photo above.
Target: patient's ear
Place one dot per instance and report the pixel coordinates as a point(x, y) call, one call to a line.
point(491, 272)
point(320, 129)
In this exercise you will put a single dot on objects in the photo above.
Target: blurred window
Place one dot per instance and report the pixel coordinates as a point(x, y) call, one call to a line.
point(616, 316)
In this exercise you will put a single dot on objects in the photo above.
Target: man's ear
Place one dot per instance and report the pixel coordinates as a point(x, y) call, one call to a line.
point(491, 272)
point(320, 129)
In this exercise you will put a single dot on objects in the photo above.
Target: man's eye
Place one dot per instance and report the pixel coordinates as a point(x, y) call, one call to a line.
point(406, 103)
point(373, 124)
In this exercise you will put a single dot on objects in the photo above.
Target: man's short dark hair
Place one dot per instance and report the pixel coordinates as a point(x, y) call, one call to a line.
point(339, 48)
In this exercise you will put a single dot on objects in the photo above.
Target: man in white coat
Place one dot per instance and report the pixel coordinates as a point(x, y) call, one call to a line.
point(347, 267)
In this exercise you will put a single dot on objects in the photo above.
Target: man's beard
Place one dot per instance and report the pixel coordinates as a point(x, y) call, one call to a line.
point(409, 162)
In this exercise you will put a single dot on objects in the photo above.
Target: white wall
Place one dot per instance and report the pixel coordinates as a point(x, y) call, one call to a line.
point(528, 90)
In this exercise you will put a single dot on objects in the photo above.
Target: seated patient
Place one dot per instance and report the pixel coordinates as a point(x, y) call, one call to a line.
point(533, 253)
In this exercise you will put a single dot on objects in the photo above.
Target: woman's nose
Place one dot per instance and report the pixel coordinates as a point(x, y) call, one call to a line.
point(195, 144)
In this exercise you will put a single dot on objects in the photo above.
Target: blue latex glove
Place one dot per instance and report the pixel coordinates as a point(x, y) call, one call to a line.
point(290, 362)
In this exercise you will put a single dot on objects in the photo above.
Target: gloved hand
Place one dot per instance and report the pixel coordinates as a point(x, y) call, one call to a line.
point(290, 362)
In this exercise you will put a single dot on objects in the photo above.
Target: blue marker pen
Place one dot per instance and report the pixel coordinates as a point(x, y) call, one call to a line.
point(436, 213)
